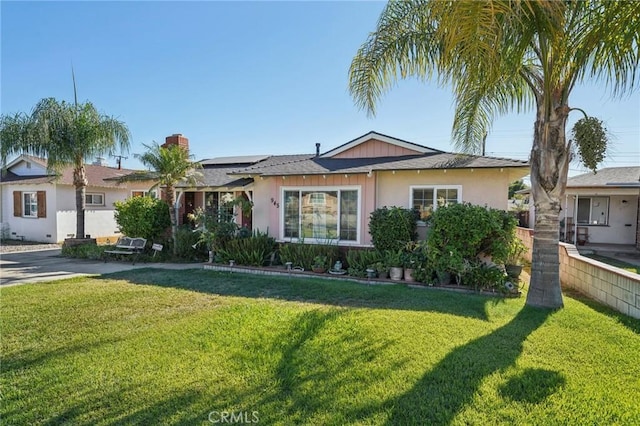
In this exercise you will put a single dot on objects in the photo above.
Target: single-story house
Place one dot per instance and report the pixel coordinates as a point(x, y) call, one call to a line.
point(322, 197)
point(602, 207)
point(36, 205)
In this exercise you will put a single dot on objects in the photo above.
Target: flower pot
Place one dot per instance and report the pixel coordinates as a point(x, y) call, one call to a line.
point(396, 273)
point(408, 275)
point(319, 269)
point(513, 271)
point(383, 273)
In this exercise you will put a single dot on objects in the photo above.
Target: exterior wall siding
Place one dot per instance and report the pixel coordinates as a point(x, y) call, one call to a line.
point(622, 227)
point(28, 228)
point(614, 287)
point(375, 148)
point(480, 187)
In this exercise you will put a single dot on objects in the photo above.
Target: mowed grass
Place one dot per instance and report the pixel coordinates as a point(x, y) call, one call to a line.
point(183, 347)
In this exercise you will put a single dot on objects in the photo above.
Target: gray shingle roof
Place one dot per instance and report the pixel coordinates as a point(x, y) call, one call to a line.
point(607, 177)
point(218, 177)
point(309, 165)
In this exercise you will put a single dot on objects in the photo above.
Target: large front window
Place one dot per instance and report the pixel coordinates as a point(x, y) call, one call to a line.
point(321, 214)
point(593, 210)
point(426, 199)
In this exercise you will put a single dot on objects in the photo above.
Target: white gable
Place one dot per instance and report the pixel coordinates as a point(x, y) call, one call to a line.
point(25, 166)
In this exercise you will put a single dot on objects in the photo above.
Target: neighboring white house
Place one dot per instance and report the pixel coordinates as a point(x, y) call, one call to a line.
point(38, 206)
point(602, 207)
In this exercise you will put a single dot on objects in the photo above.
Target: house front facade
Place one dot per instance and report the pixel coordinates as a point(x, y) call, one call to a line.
point(328, 197)
point(38, 206)
point(602, 207)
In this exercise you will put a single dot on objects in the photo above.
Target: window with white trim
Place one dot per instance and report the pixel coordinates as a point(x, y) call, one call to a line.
point(94, 199)
point(320, 214)
point(30, 204)
point(593, 211)
point(153, 194)
point(427, 198)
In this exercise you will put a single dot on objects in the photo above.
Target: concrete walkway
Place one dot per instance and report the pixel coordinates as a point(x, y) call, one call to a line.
point(46, 265)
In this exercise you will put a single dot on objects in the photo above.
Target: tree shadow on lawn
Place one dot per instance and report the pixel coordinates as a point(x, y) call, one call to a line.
point(310, 290)
point(445, 390)
point(319, 362)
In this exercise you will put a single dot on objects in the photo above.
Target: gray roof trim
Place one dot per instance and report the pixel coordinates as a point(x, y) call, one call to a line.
point(623, 177)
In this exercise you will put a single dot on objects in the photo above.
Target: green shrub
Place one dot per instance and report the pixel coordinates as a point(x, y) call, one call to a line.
point(303, 255)
point(481, 276)
point(254, 250)
point(358, 261)
point(391, 228)
point(185, 241)
point(143, 217)
point(84, 251)
point(460, 232)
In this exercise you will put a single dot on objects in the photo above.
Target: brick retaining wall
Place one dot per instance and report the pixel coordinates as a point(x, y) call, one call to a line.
point(609, 285)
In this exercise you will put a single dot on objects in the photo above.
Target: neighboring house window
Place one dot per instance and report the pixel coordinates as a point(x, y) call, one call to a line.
point(94, 199)
point(321, 214)
point(30, 204)
point(593, 211)
point(426, 199)
point(153, 193)
point(218, 203)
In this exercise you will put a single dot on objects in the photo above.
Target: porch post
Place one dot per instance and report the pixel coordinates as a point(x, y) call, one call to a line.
point(575, 221)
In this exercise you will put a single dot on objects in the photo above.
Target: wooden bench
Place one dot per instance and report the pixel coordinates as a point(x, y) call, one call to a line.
point(127, 246)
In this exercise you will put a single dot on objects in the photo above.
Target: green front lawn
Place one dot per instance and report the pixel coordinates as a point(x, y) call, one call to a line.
point(171, 347)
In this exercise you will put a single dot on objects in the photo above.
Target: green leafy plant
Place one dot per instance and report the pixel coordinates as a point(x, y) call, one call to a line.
point(143, 217)
point(481, 276)
point(303, 255)
point(254, 250)
point(84, 251)
point(516, 249)
point(461, 232)
point(358, 261)
point(321, 261)
point(394, 258)
point(391, 228)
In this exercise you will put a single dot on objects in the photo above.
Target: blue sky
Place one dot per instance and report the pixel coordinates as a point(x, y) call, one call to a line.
point(241, 78)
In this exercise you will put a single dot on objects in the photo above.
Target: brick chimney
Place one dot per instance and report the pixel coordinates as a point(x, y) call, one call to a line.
point(176, 139)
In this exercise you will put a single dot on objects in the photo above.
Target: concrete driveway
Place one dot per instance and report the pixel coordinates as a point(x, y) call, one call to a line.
point(46, 265)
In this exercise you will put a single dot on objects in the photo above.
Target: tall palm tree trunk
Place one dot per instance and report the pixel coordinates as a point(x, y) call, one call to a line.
point(171, 200)
point(80, 182)
point(549, 166)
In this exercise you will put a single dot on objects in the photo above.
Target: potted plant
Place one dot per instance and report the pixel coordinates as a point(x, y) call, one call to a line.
point(320, 264)
point(393, 258)
point(381, 269)
point(513, 261)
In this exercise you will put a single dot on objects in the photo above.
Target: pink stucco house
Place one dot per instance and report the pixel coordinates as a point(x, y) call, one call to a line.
point(328, 196)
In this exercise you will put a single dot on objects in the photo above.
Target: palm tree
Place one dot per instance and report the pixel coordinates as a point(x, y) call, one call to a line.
point(169, 165)
point(67, 135)
point(500, 56)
